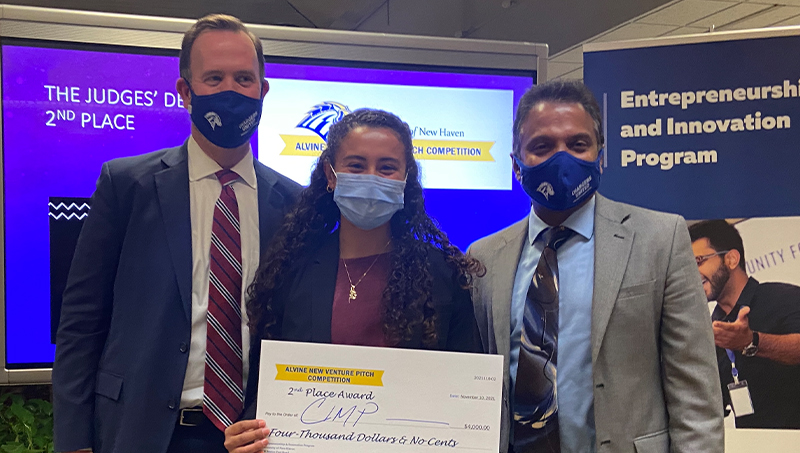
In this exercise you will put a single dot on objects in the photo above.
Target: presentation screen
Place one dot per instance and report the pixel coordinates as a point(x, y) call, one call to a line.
point(68, 109)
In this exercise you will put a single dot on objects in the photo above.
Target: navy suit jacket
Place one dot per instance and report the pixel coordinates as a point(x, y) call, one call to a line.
point(123, 340)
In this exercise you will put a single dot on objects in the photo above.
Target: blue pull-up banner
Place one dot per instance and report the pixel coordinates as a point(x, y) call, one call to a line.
point(703, 129)
point(708, 126)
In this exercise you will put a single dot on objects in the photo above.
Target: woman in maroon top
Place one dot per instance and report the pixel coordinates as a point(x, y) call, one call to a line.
point(358, 261)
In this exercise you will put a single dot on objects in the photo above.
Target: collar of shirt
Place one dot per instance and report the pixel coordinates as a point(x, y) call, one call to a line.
point(202, 166)
point(580, 221)
point(745, 299)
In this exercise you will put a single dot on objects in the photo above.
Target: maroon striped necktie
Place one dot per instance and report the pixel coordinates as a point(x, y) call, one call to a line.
point(222, 392)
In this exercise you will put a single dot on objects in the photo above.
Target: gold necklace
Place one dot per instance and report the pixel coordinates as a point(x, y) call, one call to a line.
point(353, 294)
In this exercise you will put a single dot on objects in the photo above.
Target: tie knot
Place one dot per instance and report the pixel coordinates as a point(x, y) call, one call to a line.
point(226, 177)
point(558, 236)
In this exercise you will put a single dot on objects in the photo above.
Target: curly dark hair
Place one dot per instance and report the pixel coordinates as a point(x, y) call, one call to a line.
point(407, 305)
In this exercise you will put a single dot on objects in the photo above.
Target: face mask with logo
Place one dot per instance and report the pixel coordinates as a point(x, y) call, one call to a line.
point(561, 182)
point(227, 119)
point(368, 201)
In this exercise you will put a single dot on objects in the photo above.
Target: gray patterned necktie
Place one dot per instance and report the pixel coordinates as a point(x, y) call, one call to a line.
point(535, 402)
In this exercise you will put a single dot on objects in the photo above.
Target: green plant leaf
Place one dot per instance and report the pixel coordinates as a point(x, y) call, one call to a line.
point(24, 415)
point(14, 447)
point(41, 406)
point(5, 429)
point(26, 426)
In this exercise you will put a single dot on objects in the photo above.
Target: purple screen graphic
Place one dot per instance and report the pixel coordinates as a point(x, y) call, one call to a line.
point(66, 111)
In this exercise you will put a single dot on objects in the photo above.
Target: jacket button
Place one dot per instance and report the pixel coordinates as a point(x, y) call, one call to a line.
point(171, 405)
point(184, 347)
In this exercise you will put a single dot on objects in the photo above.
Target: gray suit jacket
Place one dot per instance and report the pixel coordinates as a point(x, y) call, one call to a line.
point(653, 361)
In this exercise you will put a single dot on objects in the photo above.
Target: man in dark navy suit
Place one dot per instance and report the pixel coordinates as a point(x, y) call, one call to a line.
point(152, 347)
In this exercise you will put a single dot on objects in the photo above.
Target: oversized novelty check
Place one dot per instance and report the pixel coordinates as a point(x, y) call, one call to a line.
point(331, 398)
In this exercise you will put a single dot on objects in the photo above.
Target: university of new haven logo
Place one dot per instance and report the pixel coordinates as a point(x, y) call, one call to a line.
point(322, 116)
point(213, 120)
point(546, 189)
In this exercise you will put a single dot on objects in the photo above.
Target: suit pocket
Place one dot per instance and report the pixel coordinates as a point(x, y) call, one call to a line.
point(108, 385)
point(637, 290)
point(653, 443)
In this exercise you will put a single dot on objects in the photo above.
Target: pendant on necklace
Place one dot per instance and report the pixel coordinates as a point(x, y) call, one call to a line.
point(353, 293)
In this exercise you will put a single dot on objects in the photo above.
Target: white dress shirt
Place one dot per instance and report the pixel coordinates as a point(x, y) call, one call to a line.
point(204, 190)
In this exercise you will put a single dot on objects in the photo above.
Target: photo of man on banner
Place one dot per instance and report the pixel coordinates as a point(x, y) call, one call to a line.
point(756, 331)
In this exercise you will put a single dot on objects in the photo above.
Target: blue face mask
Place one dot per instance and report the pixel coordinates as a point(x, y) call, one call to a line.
point(561, 182)
point(227, 119)
point(368, 201)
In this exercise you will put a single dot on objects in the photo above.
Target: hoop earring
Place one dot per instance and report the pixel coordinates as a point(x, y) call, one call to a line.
point(329, 189)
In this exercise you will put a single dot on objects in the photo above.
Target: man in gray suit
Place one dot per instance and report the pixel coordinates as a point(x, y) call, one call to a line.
point(635, 350)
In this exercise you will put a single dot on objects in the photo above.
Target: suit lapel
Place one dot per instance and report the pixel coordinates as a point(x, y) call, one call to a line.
point(323, 272)
point(504, 271)
point(271, 206)
point(613, 242)
point(172, 186)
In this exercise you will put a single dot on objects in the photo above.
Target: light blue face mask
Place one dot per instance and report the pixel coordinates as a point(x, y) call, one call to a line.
point(368, 201)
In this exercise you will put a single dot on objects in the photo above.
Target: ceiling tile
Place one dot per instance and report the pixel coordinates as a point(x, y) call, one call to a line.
point(729, 15)
point(341, 14)
point(634, 31)
point(686, 31)
point(555, 68)
point(574, 55)
point(766, 19)
point(559, 23)
point(577, 74)
point(791, 21)
point(775, 2)
point(685, 11)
